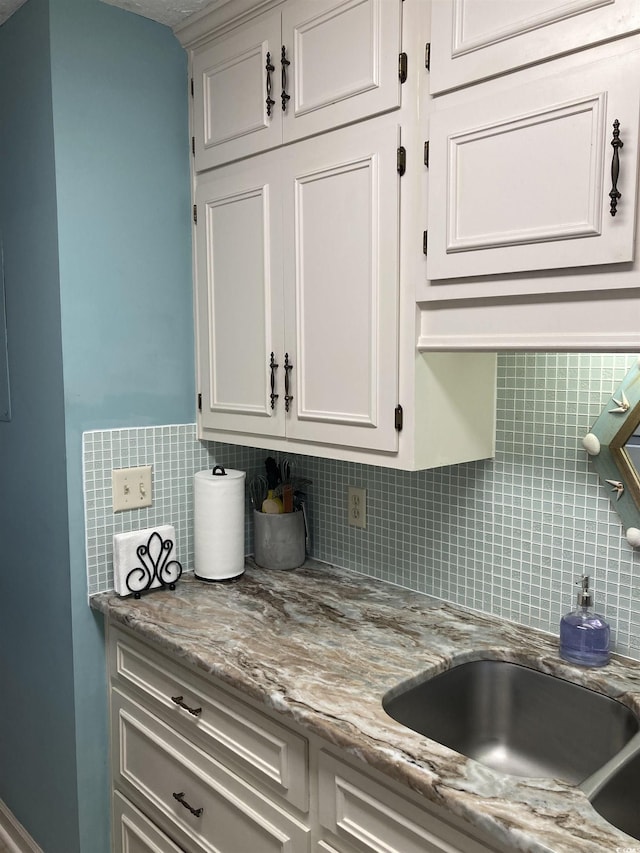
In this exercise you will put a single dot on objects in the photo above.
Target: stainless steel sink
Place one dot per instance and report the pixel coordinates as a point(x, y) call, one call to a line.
point(617, 799)
point(516, 720)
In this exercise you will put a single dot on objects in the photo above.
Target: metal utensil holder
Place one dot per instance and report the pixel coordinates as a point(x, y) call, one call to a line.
point(279, 539)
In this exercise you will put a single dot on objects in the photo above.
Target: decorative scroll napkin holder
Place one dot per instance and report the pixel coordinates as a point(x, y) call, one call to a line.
point(141, 561)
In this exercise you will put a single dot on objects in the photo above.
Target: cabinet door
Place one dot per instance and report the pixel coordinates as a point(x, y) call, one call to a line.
point(522, 181)
point(344, 62)
point(341, 286)
point(231, 116)
point(239, 295)
point(474, 40)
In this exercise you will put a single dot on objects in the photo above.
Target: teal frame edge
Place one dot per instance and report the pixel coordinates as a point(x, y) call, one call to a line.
point(619, 408)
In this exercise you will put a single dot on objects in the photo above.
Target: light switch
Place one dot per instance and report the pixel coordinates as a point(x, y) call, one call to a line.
point(131, 488)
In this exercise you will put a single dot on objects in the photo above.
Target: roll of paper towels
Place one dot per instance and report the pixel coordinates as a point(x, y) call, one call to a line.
point(218, 523)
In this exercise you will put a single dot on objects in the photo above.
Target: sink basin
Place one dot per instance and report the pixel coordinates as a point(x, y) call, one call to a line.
point(516, 720)
point(617, 800)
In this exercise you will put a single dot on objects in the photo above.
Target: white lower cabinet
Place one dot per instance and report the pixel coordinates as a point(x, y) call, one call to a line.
point(198, 770)
point(135, 833)
point(358, 814)
point(190, 794)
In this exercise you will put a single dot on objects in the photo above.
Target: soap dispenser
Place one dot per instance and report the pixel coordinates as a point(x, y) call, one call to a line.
point(584, 635)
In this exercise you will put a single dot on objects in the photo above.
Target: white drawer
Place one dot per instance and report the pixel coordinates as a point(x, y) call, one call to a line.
point(362, 815)
point(223, 725)
point(134, 833)
point(198, 800)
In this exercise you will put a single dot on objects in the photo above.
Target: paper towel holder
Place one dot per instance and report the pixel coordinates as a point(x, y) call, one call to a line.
point(154, 565)
point(218, 471)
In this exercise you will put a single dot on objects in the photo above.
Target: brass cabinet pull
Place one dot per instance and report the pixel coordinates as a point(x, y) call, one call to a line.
point(179, 701)
point(287, 368)
point(617, 143)
point(273, 367)
point(269, 68)
point(284, 62)
point(180, 798)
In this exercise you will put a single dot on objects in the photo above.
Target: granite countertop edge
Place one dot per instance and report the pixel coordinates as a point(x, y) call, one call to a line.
point(322, 646)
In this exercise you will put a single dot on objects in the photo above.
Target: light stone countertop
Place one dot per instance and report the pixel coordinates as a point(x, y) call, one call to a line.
point(322, 646)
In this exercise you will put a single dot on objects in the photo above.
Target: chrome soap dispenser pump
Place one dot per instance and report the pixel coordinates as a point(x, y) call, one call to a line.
point(584, 634)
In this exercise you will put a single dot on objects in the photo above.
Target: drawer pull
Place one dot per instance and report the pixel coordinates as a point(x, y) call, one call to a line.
point(180, 798)
point(179, 701)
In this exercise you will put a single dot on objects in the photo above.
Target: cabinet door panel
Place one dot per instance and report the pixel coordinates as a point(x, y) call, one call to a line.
point(341, 285)
point(522, 182)
point(239, 295)
point(474, 40)
point(225, 727)
point(344, 62)
point(193, 795)
point(230, 110)
point(134, 833)
point(370, 818)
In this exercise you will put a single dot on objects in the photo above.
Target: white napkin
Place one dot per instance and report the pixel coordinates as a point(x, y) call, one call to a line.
point(157, 550)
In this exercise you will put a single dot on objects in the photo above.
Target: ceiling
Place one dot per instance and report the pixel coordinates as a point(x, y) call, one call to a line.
point(168, 12)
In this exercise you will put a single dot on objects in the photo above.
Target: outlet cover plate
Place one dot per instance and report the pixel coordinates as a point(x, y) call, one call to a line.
point(131, 488)
point(357, 507)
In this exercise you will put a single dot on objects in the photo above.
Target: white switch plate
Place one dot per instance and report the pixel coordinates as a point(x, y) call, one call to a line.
point(357, 506)
point(131, 488)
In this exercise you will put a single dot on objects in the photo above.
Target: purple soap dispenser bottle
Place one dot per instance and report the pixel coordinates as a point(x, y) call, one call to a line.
point(584, 634)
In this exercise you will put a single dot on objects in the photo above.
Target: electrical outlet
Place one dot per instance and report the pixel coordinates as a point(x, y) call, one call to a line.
point(131, 488)
point(357, 507)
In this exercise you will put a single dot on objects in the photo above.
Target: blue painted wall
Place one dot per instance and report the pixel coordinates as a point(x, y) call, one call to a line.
point(37, 732)
point(100, 334)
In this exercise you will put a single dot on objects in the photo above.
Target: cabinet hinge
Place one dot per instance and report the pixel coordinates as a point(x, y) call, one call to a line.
point(193, 145)
point(398, 418)
point(426, 153)
point(192, 90)
point(402, 160)
point(402, 67)
point(427, 55)
point(195, 213)
point(424, 242)
point(199, 402)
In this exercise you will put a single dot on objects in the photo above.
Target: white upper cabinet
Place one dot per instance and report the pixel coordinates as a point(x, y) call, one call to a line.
point(239, 296)
point(231, 84)
point(297, 291)
point(307, 245)
point(523, 181)
point(475, 39)
point(303, 68)
point(341, 218)
point(344, 62)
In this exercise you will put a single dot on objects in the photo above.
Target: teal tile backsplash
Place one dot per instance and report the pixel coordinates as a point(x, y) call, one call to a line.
point(507, 536)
